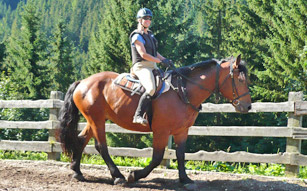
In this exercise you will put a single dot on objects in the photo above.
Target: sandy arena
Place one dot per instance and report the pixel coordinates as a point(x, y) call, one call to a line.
point(50, 175)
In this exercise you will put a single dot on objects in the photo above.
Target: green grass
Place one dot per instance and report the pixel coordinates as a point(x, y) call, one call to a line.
point(21, 155)
point(239, 168)
point(120, 161)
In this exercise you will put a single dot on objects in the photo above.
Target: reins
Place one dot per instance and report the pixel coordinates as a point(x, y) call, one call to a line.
point(216, 90)
point(200, 86)
point(191, 81)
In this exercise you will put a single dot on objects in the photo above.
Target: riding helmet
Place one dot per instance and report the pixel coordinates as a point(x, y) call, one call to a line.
point(143, 13)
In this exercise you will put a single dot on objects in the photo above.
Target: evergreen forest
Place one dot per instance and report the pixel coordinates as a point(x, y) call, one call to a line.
point(45, 45)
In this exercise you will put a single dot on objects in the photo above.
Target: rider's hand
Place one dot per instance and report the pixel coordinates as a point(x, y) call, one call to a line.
point(167, 63)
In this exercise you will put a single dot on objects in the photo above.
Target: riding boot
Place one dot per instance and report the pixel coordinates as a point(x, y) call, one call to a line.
point(144, 101)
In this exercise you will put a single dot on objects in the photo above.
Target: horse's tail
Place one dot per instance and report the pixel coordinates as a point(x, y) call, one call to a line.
point(69, 118)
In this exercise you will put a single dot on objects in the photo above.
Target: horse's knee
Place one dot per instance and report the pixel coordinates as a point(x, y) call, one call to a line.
point(98, 146)
point(103, 150)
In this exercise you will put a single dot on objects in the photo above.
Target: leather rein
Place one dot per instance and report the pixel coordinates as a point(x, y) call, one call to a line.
point(216, 90)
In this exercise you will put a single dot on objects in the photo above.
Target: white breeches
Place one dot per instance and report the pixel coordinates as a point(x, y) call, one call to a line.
point(143, 70)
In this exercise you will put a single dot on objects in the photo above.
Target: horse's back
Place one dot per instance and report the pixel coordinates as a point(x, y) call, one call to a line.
point(101, 77)
point(94, 84)
point(88, 93)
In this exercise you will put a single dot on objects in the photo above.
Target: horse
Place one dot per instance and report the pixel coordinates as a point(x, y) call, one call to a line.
point(98, 100)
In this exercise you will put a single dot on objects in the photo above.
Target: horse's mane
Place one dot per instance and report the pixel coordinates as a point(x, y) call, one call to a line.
point(204, 65)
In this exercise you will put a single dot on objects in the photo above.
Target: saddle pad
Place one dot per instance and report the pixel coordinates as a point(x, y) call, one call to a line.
point(126, 82)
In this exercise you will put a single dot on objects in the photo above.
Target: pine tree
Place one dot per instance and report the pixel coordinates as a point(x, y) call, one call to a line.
point(2, 55)
point(5, 16)
point(61, 66)
point(215, 23)
point(284, 37)
point(109, 48)
point(26, 53)
point(171, 24)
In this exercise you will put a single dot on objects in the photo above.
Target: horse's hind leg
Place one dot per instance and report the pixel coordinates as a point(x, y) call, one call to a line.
point(180, 141)
point(159, 144)
point(102, 148)
point(83, 139)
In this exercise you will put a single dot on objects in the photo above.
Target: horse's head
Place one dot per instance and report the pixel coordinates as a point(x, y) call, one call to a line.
point(233, 84)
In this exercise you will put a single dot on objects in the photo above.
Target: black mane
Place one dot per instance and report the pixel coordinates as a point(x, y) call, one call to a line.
point(204, 65)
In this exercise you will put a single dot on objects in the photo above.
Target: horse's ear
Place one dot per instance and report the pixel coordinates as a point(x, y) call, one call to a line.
point(237, 63)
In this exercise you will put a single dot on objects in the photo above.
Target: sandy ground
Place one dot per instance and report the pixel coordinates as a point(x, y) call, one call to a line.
point(50, 175)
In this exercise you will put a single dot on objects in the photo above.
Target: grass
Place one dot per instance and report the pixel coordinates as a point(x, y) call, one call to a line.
point(239, 168)
point(21, 155)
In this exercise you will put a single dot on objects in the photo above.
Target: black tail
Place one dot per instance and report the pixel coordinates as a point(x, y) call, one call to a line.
point(69, 118)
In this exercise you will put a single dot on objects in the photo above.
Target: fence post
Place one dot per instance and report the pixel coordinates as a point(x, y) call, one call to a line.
point(166, 162)
point(53, 116)
point(294, 145)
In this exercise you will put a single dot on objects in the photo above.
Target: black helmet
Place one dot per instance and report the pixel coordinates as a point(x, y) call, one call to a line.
point(143, 13)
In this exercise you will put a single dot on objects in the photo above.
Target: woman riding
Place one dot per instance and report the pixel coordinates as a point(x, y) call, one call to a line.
point(144, 58)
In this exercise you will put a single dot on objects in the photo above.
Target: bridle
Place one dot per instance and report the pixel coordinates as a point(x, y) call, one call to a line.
point(235, 102)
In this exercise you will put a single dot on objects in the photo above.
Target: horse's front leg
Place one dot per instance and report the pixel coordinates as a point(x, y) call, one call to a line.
point(159, 144)
point(115, 173)
point(180, 141)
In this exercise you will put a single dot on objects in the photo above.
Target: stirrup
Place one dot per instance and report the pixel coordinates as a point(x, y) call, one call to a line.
point(140, 120)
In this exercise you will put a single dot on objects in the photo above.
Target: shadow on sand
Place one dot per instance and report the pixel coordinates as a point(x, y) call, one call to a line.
point(214, 185)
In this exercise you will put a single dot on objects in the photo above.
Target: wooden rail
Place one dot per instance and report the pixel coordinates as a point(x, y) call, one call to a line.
point(240, 131)
point(206, 107)
point(294, 132)
point(240, 156)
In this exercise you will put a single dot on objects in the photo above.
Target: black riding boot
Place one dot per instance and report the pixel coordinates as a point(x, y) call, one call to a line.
point(145, 100)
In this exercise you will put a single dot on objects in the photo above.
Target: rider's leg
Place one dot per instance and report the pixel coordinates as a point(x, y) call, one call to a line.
point(146, 78)
point(144, 101)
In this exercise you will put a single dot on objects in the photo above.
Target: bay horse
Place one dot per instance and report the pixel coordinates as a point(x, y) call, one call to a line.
point(98, 99)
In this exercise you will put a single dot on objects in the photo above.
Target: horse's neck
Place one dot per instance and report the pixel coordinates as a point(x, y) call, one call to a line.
point(207, 80)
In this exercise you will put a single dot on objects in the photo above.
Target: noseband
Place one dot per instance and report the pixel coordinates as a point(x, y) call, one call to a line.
point(235, 102)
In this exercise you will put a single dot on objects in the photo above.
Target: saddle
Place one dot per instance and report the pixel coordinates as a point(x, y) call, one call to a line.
point(130, 82)
point(163, 81)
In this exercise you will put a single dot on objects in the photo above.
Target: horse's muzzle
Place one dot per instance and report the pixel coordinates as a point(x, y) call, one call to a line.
point(241, 106)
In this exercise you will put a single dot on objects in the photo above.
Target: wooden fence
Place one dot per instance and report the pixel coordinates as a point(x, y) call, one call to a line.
point(294, 132)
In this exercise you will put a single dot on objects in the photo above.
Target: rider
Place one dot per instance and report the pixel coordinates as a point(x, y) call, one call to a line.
point(144, 58)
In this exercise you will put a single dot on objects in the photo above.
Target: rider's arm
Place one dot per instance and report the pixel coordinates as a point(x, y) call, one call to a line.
point(160, 56)
point(142, 51)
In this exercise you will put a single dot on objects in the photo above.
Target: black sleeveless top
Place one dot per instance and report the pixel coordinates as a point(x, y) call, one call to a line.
point(151, 45)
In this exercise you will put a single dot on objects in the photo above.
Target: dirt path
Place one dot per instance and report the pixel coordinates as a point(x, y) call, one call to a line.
point(48, 175)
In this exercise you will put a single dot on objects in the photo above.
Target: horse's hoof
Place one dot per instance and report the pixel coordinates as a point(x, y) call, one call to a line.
point(79, 177)
point(119, 181)
point(190, 186)
point(131, 178)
